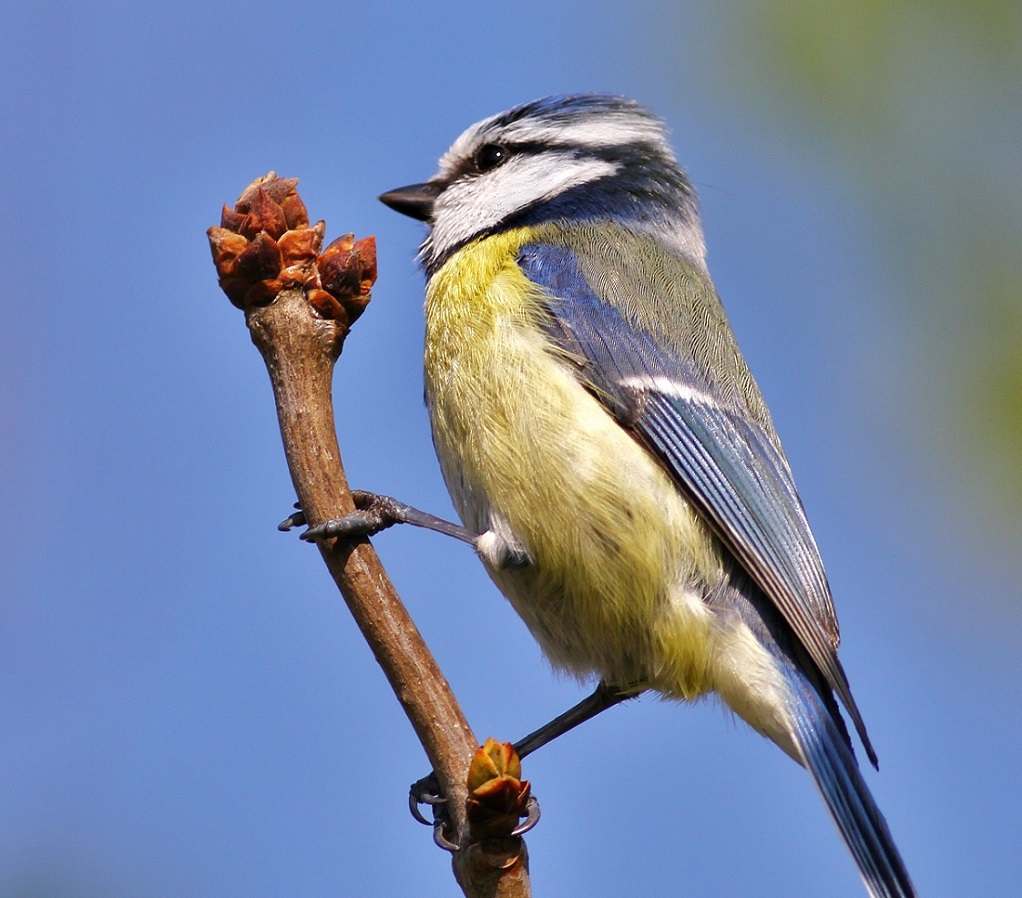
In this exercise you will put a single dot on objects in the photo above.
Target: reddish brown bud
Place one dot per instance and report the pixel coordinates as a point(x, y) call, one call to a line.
point(338, 275)
point(339, 247)
point(266, 215)
point(232, 220)
point(366, 249)
point(235, 288)
point(226, 246)
point(299, 246)
point(327, 307)
point(260, 259)
point(346, 263)
point(262, 293)
point(265, 244)
point(355, 307)
point(498, 797)
point(276, 188)
point(295, 213)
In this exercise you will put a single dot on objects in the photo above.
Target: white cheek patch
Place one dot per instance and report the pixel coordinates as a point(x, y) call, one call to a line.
point(479, 203)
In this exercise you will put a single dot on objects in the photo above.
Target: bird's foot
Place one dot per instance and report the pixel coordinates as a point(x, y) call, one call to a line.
point(372, 514)
point(427, 792)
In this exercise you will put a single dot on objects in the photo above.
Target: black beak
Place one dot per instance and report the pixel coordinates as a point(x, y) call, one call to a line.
point(415, 200)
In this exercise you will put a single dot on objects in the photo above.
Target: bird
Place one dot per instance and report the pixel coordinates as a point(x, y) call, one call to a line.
point(609, 453)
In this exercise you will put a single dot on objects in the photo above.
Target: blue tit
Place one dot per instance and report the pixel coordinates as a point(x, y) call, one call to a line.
point(599, 430)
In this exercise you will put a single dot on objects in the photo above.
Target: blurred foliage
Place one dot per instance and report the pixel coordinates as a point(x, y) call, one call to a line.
point(920, 101)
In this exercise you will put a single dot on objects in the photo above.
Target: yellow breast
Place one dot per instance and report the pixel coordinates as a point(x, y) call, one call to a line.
point(620, 561)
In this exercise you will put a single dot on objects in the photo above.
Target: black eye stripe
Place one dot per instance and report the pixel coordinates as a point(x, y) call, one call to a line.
point(492, 155)
point(608, 153)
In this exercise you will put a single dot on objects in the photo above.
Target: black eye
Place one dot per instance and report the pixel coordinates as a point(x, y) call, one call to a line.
point(490, 155)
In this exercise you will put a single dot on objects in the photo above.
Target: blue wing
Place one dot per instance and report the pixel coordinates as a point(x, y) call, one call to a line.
point(689, 411)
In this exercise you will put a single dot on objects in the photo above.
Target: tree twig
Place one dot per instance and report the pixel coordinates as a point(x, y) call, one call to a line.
point(299, 304)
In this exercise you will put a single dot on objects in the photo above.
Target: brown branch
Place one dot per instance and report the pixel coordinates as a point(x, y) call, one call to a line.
point(299, 305)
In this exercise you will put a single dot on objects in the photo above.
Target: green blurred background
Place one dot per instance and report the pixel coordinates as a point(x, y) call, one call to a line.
point(914, 104)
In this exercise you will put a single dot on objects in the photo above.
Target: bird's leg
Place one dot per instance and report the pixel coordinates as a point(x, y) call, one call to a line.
point(427, 790)
point(603, 697)
point(374, 513)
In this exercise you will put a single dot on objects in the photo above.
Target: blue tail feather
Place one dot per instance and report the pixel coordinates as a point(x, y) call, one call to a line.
point(829, 758)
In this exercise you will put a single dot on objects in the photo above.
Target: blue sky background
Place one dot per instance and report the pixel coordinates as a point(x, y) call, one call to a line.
point(186, 708)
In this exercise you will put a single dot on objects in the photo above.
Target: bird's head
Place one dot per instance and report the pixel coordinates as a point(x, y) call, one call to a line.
point(574, 159)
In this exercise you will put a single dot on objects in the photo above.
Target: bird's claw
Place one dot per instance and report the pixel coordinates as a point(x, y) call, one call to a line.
point(427, 791)
point(297, 519)
point(531, 817)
